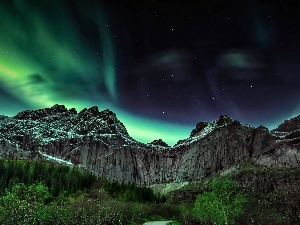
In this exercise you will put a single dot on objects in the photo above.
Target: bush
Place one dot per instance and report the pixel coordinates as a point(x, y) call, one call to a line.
point(222, 204)
point(24, 204)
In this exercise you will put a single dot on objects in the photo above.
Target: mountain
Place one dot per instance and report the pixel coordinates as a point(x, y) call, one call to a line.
point(99, 142)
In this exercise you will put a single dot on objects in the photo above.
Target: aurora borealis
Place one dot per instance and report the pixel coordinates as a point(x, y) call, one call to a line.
point(161, 66)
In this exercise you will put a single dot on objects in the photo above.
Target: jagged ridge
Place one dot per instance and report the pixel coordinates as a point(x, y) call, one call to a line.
point(99, 142)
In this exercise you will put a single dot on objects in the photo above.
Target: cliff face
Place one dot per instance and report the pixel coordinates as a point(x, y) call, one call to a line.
point(99, 142)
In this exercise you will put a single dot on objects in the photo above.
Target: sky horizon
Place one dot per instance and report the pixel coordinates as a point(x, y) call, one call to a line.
point(143, 135)
point(161, 66)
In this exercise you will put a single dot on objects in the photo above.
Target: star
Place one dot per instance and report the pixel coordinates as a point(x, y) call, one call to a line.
point(149, 58)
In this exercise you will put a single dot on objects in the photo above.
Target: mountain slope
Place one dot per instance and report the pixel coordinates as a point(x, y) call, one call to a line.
point(100, 143)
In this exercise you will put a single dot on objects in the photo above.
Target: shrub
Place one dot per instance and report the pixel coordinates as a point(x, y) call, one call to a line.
point(222, 204)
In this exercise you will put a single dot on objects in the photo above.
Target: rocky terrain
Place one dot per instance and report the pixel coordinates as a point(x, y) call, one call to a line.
point(99, 142)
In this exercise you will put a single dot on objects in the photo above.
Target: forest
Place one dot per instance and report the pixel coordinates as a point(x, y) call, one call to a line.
point(43, 192)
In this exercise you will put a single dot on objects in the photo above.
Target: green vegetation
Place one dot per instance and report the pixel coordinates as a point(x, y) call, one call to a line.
point(44, 193)
point(58, 178)
point(273, 195)
point(222, 204)
point(131, 192)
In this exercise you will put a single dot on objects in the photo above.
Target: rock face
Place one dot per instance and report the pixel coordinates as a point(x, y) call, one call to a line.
point(289, 125)
point(99, 142)
point(285, 152)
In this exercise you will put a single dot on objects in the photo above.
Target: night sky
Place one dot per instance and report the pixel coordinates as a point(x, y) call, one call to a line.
point(161, 66)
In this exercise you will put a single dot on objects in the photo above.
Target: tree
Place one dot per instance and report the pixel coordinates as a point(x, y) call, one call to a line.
point(24, 204)
point(222, 204)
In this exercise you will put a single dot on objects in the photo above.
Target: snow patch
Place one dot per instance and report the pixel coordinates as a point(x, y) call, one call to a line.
point(229, 170)
point(49, 157)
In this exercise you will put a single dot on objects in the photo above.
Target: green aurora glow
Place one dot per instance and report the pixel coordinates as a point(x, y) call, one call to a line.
point(180, 62)
point(45, 60)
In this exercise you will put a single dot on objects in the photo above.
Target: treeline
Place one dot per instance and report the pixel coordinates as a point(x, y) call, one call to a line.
point(132, 193)
point(62, 179)
point(29, 205)
point(58, 178)
point(39, 192)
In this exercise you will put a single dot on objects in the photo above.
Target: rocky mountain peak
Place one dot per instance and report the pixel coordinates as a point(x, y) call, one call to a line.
point(89, 112)
point(203, 128)
point(289, 125)
point(3, 117)
point(108, 115)
point(199, 127)
point(224, 120)
point(99, 142)
point(58, 122)
point(94, 122)
point(58, 108)
point(42, 113)
point(159, 142)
